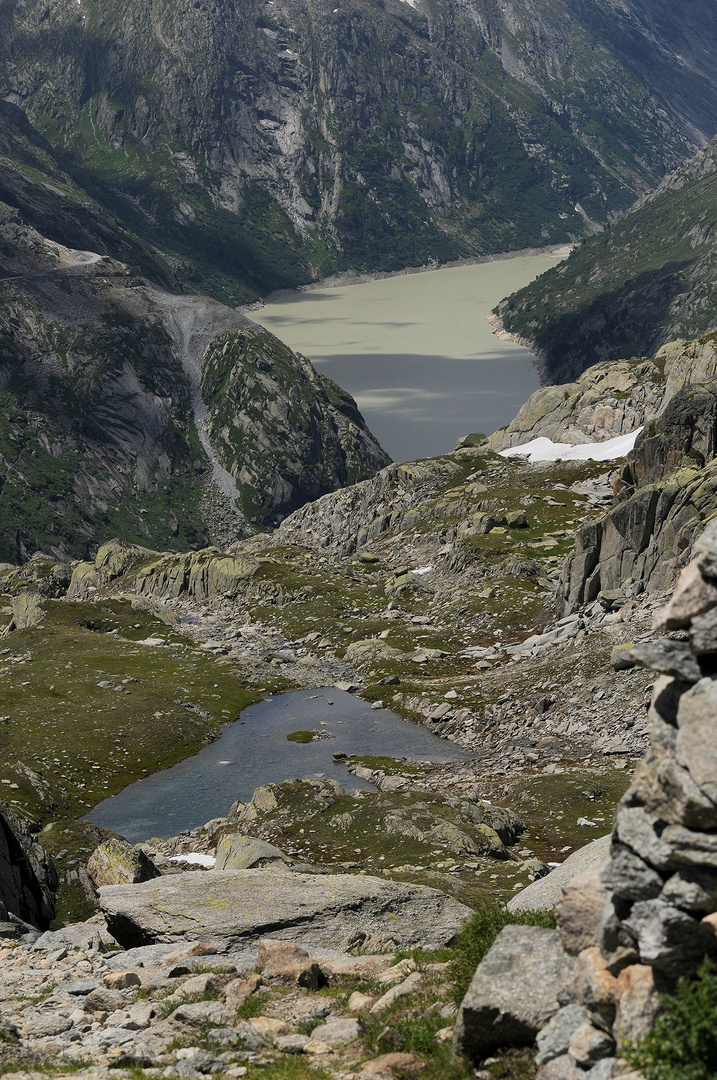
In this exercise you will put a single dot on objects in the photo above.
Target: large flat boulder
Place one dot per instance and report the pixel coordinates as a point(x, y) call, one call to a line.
point(514, 992)
point(544, 894)
point(238, 907)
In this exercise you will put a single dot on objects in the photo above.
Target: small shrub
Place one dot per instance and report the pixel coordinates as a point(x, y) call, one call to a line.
point(477, 936)
point(683, 1043)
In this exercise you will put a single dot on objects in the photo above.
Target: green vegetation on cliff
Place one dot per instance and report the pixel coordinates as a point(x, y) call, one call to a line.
point(646, 280)
point(257, 149)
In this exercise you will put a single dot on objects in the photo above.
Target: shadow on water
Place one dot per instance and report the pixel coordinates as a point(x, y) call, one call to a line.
point(419, 405)
point(254, 750)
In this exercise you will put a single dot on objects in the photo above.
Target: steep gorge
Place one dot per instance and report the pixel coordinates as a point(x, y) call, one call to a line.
point(260, 145)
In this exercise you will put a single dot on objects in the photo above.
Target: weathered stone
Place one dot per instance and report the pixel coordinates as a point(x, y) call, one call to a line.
point(202, 1014)
point(703, 634)
point(693, 889)
point(408, 986)
point(27, 610)
point(589, 1045)
point(389, 1065)
point(545, 893)
point(292, 1044)
point(120, 980)
point(81, 987)
point(617, 942)
point(595, 988)
point(667, 792)
point(621, 658)
point(336, 1030)
point(697, 735)
point(372, 650)
point(693, 596)
point(199, 985)
point(579, 910)
point(103, 999)
point(688, 847)
point(706, 551)
point(637, 1004)
point(359, 1002)
point(288, 962)
point(304, 908)
point(605, 1070)
point(514, 992)
point(115, 862)
point(627, 875)
point(269, 1028)
point(640, 831)
point(43, 1026)
point(553, 1040)
point(27, 873)
point(663, 711)
point(561, 1068)
point(236, 992)
point(668, 939)
point(668, 657)
point(245, 853)
point(203, 575)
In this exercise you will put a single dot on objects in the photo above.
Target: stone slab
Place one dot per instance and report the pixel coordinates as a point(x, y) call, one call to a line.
point(239, 907)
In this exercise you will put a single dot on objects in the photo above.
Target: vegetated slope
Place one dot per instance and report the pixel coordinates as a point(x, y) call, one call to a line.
point(97, 428)
point(263, 143)
point(648, 279)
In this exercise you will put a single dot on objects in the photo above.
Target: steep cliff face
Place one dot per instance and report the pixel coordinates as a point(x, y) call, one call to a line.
point(287, 434)
point(665, 494)
point(645, 281)
point(27, 875)
point(264, 142)
point(104, 430)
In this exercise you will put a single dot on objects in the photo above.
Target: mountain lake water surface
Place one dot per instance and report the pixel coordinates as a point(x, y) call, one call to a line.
point(415, 350)
point(254, 750)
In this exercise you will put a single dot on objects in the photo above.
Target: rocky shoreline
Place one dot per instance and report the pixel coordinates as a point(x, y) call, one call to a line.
point(338, 281)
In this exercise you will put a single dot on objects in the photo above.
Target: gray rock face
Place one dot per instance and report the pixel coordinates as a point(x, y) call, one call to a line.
point(514, 992)
point(670, 658)
point(27, 874)
point(244, 853)
point(244, 905)
point(669, 489)
point(544, 894)
point(115, 862)
point(554, 1039)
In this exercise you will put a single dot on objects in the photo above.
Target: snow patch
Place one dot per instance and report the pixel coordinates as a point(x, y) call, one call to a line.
point(195, 858)
point(423, 570)
point(547, 450)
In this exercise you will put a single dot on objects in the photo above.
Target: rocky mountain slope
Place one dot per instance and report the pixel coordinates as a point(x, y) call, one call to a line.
point(646, 280)
point(430, 589)
point(108, 427)
point(259, 145)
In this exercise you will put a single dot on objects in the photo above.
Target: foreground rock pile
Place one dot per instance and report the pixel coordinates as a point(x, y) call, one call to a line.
point(183, 1010)
point(629, 928)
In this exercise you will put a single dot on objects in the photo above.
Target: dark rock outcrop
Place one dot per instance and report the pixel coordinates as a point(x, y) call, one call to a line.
point(27, 874)
point(666, 492)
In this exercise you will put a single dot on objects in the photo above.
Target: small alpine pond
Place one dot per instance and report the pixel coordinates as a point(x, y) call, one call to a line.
point(255, 750)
